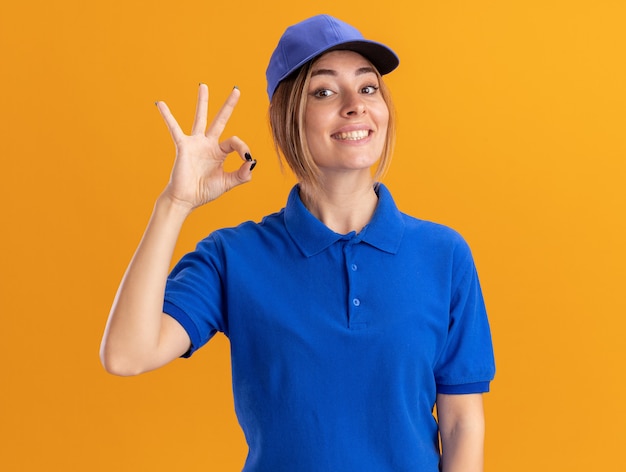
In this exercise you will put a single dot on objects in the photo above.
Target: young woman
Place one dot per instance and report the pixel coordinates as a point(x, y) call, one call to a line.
point(361, 318)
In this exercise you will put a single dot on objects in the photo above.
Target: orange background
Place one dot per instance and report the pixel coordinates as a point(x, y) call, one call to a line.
point(512, 130)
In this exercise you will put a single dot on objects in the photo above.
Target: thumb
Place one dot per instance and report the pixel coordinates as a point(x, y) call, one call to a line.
point(241, 175)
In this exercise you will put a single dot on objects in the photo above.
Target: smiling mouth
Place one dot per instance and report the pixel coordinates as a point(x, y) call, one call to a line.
point(352, 135)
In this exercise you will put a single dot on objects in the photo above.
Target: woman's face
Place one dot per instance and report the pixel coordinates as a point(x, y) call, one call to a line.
point(346, 117)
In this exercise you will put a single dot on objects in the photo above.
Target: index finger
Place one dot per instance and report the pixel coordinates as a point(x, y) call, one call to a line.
point(223, 115)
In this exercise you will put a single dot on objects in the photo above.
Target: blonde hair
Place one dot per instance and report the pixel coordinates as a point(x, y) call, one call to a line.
point(286, 116)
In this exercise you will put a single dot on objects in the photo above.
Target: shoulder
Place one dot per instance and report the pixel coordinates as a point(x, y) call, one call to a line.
point(434, 235)
point(247, 233)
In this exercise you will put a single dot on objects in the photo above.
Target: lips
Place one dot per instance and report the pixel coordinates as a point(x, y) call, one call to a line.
point(352, 135)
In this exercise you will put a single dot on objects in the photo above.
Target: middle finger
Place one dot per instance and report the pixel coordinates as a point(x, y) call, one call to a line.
point(222, 116)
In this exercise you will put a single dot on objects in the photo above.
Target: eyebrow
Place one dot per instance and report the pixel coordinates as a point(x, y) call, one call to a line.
point(359, 71)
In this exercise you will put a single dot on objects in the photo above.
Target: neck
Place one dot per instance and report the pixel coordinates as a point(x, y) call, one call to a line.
point(342, 209)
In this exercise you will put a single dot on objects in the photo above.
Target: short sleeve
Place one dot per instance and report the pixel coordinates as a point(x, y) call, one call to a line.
point(194, 293)
point(466, 364)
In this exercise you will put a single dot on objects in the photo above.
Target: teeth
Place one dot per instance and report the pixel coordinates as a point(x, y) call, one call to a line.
point(352, 135)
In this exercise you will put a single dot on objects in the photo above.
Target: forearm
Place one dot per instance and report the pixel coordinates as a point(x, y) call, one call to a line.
point(462, 450)
point(134, 329)
point(462, 431)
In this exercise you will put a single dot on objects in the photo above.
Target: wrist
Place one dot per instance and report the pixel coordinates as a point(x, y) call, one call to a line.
point(173, 207)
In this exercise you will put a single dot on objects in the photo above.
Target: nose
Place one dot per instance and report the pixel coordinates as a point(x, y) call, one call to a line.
point(353, 105)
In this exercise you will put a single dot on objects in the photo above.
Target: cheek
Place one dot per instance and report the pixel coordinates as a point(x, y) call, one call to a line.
point(312, 133)
point(314, 125)
point(382, 123)
point(383, 116)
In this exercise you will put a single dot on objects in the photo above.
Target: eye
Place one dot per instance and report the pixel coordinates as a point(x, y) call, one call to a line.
point(323, 93)
point(369, 90)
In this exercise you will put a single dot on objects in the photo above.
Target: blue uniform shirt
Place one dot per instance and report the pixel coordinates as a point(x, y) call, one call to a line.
point(339, 343)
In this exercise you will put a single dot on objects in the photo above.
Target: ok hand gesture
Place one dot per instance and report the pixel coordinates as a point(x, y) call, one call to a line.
point(198, 175)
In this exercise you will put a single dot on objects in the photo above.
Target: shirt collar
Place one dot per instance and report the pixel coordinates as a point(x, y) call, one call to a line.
point(384, 231)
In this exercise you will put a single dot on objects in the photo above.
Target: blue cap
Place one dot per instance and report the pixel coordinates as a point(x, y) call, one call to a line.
point(314, 36)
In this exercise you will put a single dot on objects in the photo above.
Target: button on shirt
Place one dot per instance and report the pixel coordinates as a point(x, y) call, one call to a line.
point(339, 343)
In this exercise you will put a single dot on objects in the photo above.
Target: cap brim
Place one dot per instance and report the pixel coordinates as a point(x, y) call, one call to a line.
point(383, 58)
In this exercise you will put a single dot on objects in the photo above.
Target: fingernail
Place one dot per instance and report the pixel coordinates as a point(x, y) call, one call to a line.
point(253, 165)
point(235, 87)
point(247, 156)
point(156, 103)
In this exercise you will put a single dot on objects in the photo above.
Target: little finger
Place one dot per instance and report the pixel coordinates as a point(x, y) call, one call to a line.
point(172, 125)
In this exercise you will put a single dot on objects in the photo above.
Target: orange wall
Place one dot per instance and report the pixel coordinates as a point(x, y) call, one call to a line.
point(512, 130)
